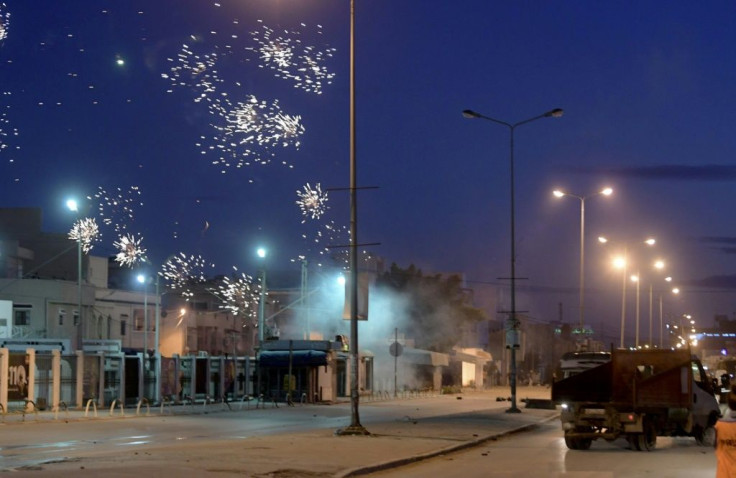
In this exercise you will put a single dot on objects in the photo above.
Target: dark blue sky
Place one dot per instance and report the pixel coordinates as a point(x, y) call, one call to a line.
point(649, 110)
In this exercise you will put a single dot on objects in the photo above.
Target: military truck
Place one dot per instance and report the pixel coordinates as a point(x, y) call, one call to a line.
point(638, 395)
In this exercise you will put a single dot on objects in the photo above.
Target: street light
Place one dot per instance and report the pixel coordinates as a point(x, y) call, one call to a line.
point(622, 263)
point(604, 192)
point(261, 253)
point(512, 327)
point(144, 280)
point(74, 207)
point(658, 265)
point(667, 279)
point(635, 278)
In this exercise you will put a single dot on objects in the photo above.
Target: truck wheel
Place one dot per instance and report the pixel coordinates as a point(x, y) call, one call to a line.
point(648, 439)
point(584, 443)
point(571, 441)
point(633, 440)
point(705, 436)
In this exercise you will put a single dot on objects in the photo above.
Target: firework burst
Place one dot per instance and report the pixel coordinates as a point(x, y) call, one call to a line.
point(86, 232)
point(249, 132)
point(194, 71)
point(183, 271)
point(240, 295)
point(4, 21)
point(117, 209)
point(312, 201)
point(289, 59)
point(7, 133)
point(130, 251)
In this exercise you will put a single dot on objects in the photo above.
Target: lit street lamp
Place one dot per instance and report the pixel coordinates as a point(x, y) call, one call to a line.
point(261, 253)
point(74, 207)
point(512, 327)
point(144, 280)
point(622, 263)
point(658, 265)
point(558, 193)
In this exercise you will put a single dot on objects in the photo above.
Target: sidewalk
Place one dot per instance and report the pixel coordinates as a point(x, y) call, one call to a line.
point(416, 431)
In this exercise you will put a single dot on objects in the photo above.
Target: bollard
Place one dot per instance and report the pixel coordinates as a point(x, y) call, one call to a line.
point(112, 407)
point(33, 409)
point(163, 402)
point(56, 410)
point(94, 405)
point(138, 408)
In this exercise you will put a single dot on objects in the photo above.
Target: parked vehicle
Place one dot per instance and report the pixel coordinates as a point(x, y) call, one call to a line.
point(638, 394)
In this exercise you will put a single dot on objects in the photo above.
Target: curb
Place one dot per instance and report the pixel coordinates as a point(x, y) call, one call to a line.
point(364, 470)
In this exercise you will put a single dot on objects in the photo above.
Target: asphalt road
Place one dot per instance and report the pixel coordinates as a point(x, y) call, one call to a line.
point(542, 453)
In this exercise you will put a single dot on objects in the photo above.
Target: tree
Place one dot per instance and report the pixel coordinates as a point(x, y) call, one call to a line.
point(438, 310)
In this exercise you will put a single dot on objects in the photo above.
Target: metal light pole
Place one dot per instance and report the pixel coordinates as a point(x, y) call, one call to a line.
point(144, 280)
point(623, 263)
point(157, 349)
point(355, 428)
point(513, 323)
point(558, 193)
point(261, 252)
point(636, 278)
point(661, 315)
point(74, 207)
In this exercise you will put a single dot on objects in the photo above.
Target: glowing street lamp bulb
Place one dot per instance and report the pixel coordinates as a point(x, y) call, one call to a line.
point(341, 280)
point(261, 252)
point(558, 193)
point(634, 278)
point(659, 264)
point(675, 290)
point(668, 279)
point(607, 191)
point(650, 241)
point(619, 263)
point(602, 239)
point(72, 205)
point(141, 278)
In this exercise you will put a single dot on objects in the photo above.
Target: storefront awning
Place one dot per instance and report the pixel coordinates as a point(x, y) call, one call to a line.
point(299, 358)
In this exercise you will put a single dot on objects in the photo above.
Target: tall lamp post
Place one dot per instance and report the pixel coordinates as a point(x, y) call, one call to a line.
point(74, 207)
point(261, 253)
point(659, 265)
point(355, 427)
point(512, 327)
point(144, 280)
point(636, 278)
point(558, 193)
point(622, 263)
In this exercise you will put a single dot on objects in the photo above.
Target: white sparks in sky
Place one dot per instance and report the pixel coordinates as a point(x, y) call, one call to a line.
point(240, 295)
point(194, 71)
point(129, 249)
point(250, 132)
point(7, 132)
point(312, 201)
point(182, 271)
point(291, 60)
point(116, 209)
point(85, 231)
point(4, 21)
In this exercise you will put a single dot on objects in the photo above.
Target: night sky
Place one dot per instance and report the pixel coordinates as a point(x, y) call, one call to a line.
point(139, 101)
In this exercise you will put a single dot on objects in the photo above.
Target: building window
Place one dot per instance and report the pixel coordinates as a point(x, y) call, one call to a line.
point(62, 314)
point(22, 317)
point(76, 317)
point(123, 323)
